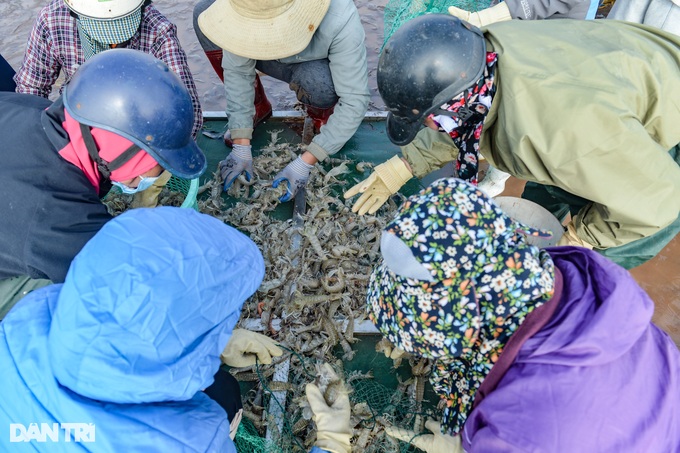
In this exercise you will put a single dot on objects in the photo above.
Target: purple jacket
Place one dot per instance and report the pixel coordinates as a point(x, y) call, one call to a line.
point(595, 375)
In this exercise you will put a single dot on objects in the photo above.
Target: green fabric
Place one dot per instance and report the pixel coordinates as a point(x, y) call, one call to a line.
point(639, 252)
point(559, 202)
point(12, 290)
point(580, 114)
point(629, 255)
point(429, 151)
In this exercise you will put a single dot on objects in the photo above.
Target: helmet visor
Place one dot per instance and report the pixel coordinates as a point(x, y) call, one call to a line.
point(401, 130)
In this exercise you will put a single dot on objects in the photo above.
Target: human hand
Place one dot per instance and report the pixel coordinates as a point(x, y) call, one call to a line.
point(149, 198)
point(245, 346)
point(295, 174)
point(431, 443)
point(239, 160)
point(386, 180)
point(571, 238)
point(484, 17)
point(332, 421)
point(493, 183)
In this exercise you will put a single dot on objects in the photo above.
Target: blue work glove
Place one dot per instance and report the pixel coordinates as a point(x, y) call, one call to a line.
point(296, 175)
point(239, 160)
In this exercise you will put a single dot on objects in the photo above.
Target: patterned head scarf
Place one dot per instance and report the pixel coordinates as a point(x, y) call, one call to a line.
point(456, 281)
point(465, 120)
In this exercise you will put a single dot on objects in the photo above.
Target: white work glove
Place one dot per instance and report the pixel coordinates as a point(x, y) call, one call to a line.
point(494, 182)
point(386, 180)
point(570, 238)
point(235, 422)
point(431, 443)
point(149, 198)
point(333, 430)
point(295, 174)
point(484, 17)
point(239, 160)
point(244, 346)
point(390, 350)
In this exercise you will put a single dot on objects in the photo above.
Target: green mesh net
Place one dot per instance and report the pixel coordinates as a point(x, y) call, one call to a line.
point(399, 11)
point(378, 398)
point(188, 187)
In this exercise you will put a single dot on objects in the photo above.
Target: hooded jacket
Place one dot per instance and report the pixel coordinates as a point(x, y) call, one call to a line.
point(49, 209)
point(132, 336)
point(597, 377)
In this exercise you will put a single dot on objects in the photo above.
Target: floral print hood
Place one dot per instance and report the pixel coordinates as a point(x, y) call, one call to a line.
point(485, 280)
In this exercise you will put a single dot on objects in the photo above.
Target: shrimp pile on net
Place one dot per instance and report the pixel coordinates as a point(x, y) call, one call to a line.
point(309, 300)
point(313, 291)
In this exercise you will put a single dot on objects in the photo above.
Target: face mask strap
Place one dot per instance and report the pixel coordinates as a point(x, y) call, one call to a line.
point(119, 161)
point(105, 168)
point(92, 150)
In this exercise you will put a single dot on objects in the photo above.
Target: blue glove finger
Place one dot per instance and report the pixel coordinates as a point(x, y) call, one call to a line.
point(229, 182)
point(288, 195)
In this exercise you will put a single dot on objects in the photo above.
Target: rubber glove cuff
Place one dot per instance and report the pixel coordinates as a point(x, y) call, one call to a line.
point(242, 151)
point(394, 173)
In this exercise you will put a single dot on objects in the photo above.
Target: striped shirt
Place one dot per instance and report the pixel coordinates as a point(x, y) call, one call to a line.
point(54, 45)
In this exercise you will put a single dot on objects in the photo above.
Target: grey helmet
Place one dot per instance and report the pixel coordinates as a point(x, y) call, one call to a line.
point(426, 62)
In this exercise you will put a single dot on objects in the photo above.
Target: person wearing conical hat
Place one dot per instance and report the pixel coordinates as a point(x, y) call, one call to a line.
point(316, 46)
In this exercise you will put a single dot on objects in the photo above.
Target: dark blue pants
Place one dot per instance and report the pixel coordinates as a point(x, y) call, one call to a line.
point(6, 76)
point(226, 392)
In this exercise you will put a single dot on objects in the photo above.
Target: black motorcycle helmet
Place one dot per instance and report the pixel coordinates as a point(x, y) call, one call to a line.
point(134, 95)
point(426, 62)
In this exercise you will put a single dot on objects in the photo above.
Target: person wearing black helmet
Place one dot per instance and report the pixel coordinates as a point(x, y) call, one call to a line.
point(595, 125)
point(122, 119)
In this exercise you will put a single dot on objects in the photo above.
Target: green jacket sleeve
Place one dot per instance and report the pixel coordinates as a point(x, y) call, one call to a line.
point(429, 151)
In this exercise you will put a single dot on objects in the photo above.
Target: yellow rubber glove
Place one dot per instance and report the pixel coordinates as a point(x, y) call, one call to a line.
point(484, 17)
point(149, 198)
point(333, 430)
point(386, 180)
point(245, 345)
point(570, 238)
point(431, 443)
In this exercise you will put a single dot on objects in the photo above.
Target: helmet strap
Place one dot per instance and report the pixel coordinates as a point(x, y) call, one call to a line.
point(105, 168)
point(464, 113)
